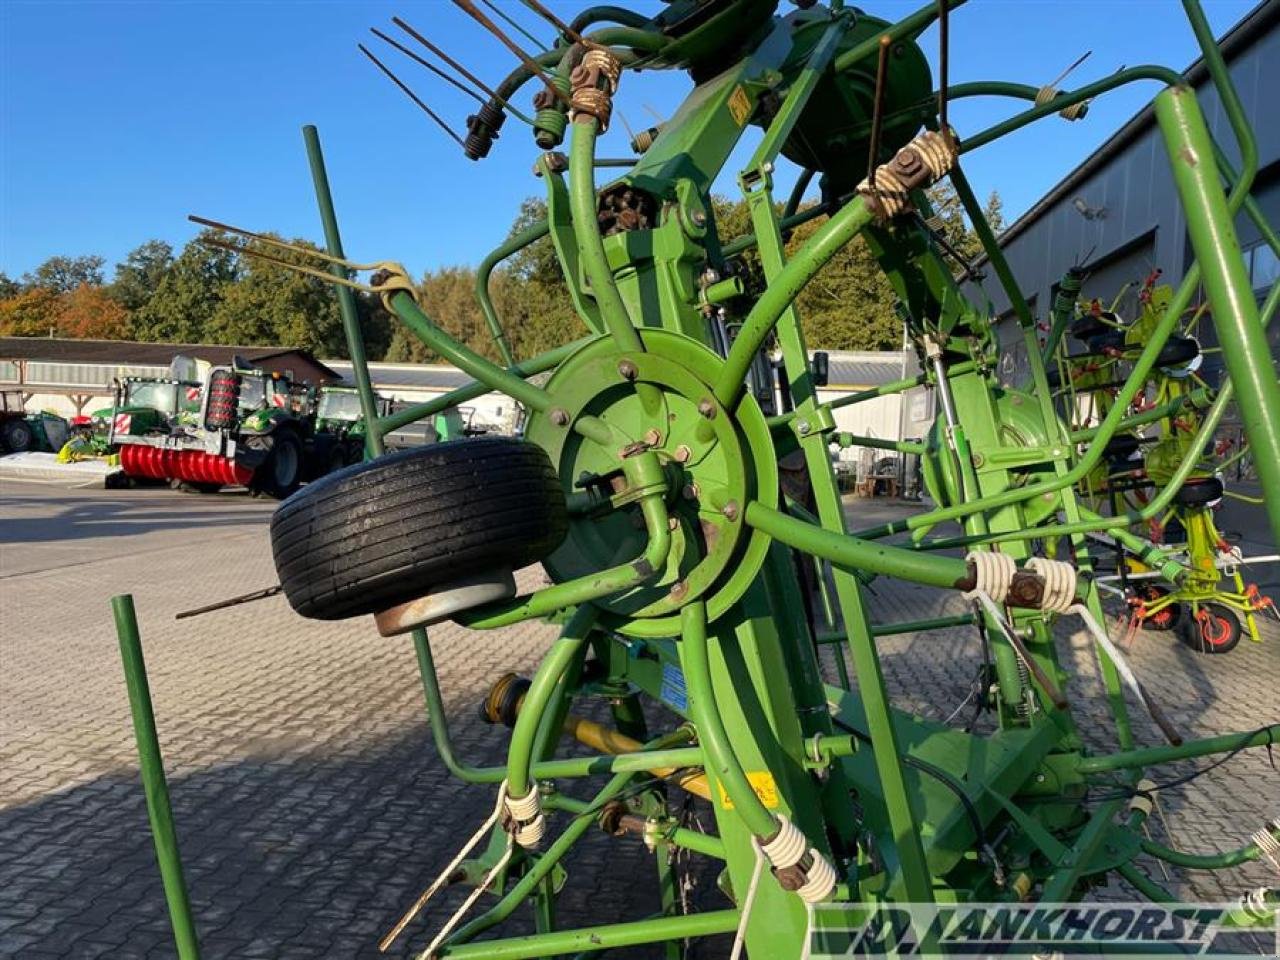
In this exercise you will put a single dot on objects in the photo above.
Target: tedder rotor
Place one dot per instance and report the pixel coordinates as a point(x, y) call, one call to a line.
point(647, 483)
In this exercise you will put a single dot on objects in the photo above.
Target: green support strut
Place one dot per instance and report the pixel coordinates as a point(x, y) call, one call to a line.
point(1226, 282)
point(346, 296)
point(154, 785)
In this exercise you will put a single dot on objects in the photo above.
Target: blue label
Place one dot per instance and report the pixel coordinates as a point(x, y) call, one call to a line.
point(673, 691)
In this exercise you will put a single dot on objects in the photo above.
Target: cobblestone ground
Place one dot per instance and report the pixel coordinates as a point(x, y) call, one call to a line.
point(310, 804)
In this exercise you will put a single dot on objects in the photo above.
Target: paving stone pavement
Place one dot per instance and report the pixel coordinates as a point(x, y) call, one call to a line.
point(310, 804)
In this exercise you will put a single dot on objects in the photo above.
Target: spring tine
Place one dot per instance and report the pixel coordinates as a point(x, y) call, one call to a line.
point(247, 251)
point(426, 63)
point(511, 22)
point(531, 64)
point(409, 93)
point(563, 28)
point(466, 74)
point(877, 111)
point(282, 244)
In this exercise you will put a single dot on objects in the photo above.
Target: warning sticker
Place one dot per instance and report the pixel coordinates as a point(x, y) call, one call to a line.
point(740, 106)
point(762, 783)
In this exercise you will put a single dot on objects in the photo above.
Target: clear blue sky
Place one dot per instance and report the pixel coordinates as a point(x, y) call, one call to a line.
point(119, 118)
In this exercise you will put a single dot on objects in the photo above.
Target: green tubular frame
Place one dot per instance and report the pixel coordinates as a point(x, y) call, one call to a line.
point(745, 676)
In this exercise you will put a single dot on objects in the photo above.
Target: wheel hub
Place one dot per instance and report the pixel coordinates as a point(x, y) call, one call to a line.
point(716, 459)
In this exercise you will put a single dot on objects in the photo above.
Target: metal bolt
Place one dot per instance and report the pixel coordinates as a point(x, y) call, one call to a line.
point(678, 589)
point(699, 218)
point(652, 437)
point(979, 460)
point(730, 510)
point(690, 491)
point(683, 453)
point(560, 417)
point(672, 523)
point(804, 428)
point(628, 370)
point(707, 407)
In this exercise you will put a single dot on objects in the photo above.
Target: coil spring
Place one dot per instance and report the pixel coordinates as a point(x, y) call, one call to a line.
point(549, 120)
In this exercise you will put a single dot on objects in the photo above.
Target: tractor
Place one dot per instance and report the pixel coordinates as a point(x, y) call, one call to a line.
point(248, 430)
point(21, 431)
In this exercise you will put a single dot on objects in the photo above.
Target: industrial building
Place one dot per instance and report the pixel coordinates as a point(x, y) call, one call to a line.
point(1117, 214)
point(68, 376)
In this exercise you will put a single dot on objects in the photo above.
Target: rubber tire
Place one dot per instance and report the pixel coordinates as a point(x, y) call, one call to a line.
point(381, 533)
point(1177, 352)
point(1088, 327)
point(1121, 447)
point(1111, 340)
point(1196, 493)
point(17, 436)
point(1224, 623)
point(264, 478)
point(1176, 612)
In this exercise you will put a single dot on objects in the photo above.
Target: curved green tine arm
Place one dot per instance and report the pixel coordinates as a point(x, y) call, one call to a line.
point(908, 27)
point(429, 408)
point(721, 761)
point(562, 653)
point(1204, 861)
point(595, 263)
point(1150, 756)
point(856, 554)
point(825, 243)
point(529, 235)
point(463, 357)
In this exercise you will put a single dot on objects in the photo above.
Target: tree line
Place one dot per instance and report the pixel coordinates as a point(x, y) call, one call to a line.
point(207, 294)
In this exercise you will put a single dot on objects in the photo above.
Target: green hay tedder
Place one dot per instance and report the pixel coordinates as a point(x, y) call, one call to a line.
point(647, 483)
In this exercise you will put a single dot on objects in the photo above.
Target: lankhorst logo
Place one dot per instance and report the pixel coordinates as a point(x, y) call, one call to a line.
point(1051, 931)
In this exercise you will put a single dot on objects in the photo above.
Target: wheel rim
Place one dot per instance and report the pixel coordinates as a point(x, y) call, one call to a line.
point(1214, 630)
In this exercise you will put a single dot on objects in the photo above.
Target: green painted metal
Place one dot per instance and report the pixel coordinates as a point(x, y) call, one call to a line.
point(1226, 281)
point(681, 573)
point(346, 296)
point(154, 784)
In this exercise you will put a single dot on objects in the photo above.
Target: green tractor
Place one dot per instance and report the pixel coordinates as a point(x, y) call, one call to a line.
point(249, 430)
point(141, 406)
point(21, 431)
point(339, 427)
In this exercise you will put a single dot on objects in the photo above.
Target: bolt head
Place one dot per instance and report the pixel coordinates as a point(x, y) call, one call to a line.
point(699, 218)
point(683, 453)
point(560, 417)
point(690, 491)
point(804, 428)
point(678, 589)
point(707, 407)
point(627, 370)
point(730, 510)
point(652, 437)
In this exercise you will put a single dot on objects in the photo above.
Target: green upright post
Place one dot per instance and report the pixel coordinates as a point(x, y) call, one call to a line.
point(346, 296)
point(153, 782)
point(1226, 282)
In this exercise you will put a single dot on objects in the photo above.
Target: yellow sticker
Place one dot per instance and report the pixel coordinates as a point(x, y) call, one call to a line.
point(762, 783)
point(740, 106)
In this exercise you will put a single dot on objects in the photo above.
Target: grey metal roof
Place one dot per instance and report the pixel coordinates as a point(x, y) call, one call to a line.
point(848, 368)
point(410, 376)
point(1245, 32)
